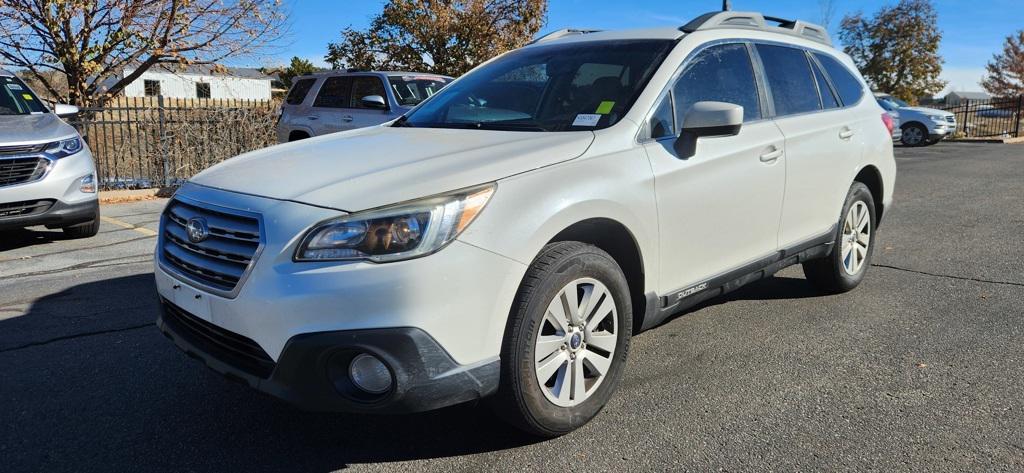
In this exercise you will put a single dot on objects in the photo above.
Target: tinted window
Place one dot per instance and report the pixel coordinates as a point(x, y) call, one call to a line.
point(365, 87)
point(17, 99)
point(151, 88)
point(790, 79)
point(555, 87)
point(719, 74)
point(334, 93)
point(299, 91)
point(828, 99)
point(847, 85)
point(202, 90)
point(663, 120)
point(411, 90)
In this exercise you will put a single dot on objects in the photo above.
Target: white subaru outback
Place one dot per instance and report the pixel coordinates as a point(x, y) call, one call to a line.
point(507, 237)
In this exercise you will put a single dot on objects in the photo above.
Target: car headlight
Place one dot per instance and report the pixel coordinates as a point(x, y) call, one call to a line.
point(64, 148)
point(937, 118)
point(395, 233)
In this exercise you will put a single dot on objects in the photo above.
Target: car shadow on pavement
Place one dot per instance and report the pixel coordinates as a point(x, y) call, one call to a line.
point(89, 383)
point(20, 238)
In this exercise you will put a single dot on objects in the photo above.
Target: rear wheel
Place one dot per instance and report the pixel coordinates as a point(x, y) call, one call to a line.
point(566, 341)
point(844, 268)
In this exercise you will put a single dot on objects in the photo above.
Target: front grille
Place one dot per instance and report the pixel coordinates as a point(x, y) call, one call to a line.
point(21, 149)
point(219, 261)
point(21, 170)
point(228, 347)
point(25, 208)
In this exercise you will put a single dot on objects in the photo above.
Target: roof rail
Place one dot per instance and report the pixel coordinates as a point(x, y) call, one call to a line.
point(561, 34)
point(757, 21)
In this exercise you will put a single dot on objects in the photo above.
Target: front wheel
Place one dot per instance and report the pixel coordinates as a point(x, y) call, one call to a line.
point(844, 268)
point(566, 341)
point(915, 134)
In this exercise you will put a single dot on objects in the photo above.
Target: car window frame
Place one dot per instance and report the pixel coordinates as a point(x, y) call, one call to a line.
point(816, 67)
point(767, 110)
point(768, 87)
point(864, 89)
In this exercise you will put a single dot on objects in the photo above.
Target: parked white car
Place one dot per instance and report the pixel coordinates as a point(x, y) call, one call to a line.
point(921, 126)
point(507, 237)
point(329, 102)
point(47, 175)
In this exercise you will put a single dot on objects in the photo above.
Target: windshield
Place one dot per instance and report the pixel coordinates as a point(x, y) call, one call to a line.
point(411, 90)
point(17, 99)
point(561, 87)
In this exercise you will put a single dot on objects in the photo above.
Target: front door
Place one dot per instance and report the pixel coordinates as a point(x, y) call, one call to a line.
point(719, 209)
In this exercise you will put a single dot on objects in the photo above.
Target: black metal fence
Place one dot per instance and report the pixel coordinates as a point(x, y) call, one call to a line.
point(989, 118)
point(149, 142)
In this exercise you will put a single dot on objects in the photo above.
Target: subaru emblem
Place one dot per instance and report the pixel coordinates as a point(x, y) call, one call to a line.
point(197, 229)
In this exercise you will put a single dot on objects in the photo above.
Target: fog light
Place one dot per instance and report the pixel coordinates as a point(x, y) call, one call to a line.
point(370, 374)
point(88, 184)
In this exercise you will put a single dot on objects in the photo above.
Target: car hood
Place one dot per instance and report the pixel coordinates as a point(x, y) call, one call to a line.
point(29, 129)
point(377, 166)
point(926, 111)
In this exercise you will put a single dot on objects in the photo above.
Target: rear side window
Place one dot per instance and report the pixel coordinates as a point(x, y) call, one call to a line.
point(790, 79)
point(334, 93)
point(847, 85)
point(299, 91)
point(721, 73)
point(365, 87)
point(828, 99)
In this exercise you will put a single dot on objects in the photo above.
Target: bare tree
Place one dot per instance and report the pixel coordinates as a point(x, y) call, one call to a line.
point(101, 46)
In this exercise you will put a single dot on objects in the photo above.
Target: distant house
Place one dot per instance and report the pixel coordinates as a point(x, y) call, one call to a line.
point(200, 82)
point(955, 98)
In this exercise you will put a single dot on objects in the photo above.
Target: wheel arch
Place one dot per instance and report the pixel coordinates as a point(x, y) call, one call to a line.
point(618, 241)
point(871, 177)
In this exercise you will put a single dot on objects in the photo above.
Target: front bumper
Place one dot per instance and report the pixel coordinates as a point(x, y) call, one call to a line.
point(311, 371)
point(455, 301)
point(940, 130)
point(57, 215)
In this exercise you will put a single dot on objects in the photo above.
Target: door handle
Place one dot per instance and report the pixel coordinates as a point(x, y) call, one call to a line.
point(313, 118)
point(771, 156)
point(846, 134)
point(347, 118)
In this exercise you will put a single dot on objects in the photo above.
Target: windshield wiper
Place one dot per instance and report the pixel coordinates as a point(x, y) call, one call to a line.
point(509, 126)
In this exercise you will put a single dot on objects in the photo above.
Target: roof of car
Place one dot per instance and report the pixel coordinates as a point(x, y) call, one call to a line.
point(342, 72)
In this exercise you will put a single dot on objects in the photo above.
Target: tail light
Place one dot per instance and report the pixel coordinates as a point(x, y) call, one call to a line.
point(887, 120)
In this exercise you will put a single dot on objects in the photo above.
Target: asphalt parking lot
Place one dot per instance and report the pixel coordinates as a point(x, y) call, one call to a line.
point(921, 368)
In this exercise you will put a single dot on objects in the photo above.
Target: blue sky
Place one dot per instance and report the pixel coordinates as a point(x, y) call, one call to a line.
point(972, 30)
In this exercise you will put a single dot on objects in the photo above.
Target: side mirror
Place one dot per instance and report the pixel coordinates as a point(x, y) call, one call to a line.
point(62, 110)
point(374, 101)
point(707, 119)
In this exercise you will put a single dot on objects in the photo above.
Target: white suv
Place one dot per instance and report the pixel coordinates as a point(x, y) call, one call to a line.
point(47, 175)
point(507, 237)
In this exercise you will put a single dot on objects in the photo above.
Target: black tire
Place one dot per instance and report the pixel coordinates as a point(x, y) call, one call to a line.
point(909, 137)
point(520, 400)
point(83, 230)
point(297, 136)
point(828, 274)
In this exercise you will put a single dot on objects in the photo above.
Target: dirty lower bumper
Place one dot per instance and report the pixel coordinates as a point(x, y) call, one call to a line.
point(311, 372)
point(52, 214)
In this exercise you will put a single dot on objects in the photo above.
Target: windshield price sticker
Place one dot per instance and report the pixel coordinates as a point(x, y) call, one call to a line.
point(587, 119)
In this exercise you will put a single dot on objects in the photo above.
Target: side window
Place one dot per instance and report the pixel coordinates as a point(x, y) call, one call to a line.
point(334, 93)
point(828, 99)
point(662, 123)
point(721, 73)
point(790, 79)
point(299, 91)
point(363, 87)
point(847, 85)
point(202, 90)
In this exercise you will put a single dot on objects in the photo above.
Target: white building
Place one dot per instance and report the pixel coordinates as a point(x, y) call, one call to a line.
point(202, 82)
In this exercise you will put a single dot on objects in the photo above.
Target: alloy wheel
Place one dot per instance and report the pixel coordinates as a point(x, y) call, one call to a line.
point(576, 343)
point(856, 237)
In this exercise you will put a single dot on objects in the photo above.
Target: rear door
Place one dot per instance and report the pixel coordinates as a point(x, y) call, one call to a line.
point(821, 142)
point(719, 209)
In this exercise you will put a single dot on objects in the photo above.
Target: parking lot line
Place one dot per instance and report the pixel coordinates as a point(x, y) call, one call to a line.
point(144, 231)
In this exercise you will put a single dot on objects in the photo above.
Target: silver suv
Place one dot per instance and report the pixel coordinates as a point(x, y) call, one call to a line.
point(335, 101)
point(47, 175)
